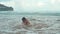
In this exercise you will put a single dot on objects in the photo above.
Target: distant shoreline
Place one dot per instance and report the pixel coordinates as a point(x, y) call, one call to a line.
point(5, 8)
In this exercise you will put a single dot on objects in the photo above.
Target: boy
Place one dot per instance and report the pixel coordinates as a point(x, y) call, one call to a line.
point(26, 22)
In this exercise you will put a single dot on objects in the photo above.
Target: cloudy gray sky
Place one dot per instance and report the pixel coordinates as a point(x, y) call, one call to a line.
point(34, 5)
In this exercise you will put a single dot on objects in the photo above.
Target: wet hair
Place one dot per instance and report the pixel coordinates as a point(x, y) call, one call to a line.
point(23, 18)
point(25, 21)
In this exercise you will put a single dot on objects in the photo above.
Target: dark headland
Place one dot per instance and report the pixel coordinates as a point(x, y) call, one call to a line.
point(5, 8)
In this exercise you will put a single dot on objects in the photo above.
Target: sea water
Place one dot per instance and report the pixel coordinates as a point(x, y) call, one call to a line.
point(10, 23)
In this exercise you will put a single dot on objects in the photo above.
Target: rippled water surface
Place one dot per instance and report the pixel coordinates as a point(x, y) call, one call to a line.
point(12, 24)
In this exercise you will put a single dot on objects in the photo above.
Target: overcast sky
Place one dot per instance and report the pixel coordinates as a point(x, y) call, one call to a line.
point(34, 5)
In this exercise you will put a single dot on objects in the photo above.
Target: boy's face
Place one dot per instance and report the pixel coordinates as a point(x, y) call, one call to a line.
point(23, 20)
